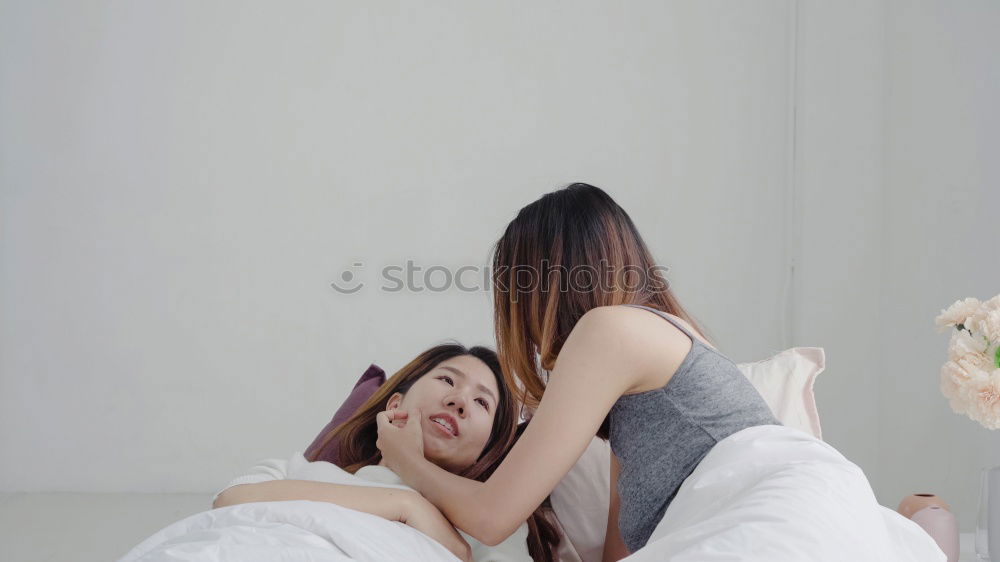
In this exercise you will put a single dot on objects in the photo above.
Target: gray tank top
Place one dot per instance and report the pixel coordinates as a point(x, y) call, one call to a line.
point(660, 435)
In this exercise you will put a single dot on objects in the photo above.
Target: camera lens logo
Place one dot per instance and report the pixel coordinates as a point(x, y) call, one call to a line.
point(347, 284)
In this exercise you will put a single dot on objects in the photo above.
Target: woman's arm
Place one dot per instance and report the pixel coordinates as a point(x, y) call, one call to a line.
point(388, 503)
point(405, 506)
point(614, 545)
point(513, 549)
point(603, 358)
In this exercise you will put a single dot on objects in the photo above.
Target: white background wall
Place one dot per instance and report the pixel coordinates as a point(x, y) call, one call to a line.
point(941, 235)
point(180, 182)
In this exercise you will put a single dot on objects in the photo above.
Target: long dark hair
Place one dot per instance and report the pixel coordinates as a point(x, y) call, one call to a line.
point(357, 436)
point(536, 262)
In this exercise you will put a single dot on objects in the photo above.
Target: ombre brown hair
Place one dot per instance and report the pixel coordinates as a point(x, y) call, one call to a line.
point(536, 302)
point(357, 436)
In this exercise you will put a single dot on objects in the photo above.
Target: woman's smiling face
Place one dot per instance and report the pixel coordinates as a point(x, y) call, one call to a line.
point(457, 400)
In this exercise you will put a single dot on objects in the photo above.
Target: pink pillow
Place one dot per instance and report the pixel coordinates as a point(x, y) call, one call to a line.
point(369, 382)
point(785, 380)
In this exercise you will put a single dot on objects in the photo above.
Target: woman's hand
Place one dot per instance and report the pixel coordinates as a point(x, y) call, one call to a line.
point(400, 445)
point(424, 517)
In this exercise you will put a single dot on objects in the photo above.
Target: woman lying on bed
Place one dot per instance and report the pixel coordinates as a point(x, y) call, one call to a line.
point(470, 425)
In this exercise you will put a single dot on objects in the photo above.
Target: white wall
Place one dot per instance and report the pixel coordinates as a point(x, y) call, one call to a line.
point(941, 235)
point(838, 209)
point(896, 178)
point(180, 182)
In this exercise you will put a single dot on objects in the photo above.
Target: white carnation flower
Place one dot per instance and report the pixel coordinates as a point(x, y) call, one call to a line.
point(962, 344)
point(957, 313)
point(952, 379)
point(986, 323)
point(985, 404)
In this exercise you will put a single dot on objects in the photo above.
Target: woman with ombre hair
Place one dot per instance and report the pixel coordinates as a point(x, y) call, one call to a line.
point(595, 339)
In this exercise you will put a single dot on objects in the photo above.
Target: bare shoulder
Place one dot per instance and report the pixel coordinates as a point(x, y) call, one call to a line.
point(641, 325)
point(619, 327)
point(647, 346)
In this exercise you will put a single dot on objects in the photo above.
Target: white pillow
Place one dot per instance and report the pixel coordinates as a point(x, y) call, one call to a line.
point(580, 500)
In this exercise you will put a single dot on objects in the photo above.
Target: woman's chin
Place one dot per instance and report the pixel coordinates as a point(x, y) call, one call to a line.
point(442, 459)
point(438, 450)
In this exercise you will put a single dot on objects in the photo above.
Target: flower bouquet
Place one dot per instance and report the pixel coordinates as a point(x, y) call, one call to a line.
point(971, 377)
point(971, 381)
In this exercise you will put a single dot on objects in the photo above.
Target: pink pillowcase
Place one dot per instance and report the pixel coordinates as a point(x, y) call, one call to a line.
point(369, 382)
point(785, 381)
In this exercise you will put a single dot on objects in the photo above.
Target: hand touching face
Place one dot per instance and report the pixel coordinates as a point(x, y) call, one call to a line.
point(457, 400)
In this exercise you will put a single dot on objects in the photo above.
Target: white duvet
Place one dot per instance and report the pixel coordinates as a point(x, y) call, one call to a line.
point(767, 493)
point(288, 531)
point(776, 494)
point(308, 531)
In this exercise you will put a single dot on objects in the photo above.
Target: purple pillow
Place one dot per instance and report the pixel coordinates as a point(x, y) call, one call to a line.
point(369, 382)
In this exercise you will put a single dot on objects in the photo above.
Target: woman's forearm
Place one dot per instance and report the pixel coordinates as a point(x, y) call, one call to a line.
point(460, 500)
point(388, 503)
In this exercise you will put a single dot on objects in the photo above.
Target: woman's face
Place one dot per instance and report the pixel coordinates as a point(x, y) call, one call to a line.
point(458, 401)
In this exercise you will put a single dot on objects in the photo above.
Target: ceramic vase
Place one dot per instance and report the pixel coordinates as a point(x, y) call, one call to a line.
point(915, 502)
point(942, 526)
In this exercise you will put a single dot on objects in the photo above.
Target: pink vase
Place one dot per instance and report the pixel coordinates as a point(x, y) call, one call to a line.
point(915, 502)
point(942, 526)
